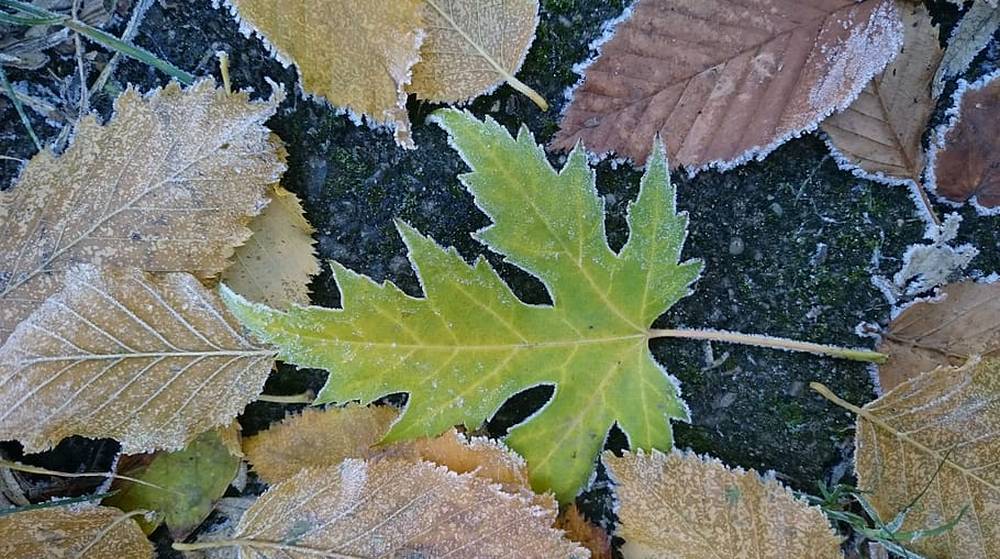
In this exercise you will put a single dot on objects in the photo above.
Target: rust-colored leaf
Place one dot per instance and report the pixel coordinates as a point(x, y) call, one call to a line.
point(967, 157)
point(68, 533)
point(947, 331)
point(584, 532)
point(726, 80)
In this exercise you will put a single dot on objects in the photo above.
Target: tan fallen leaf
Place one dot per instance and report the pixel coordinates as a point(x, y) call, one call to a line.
point(394, 508)
point(472, 47)
point(973, 32)
point(682, 506)
point(70, 533)
point(930, 447)
point(880, 134)
point(167, 185)
point(317, 438)
point(582, 531)
point(723, 81)
point(276, 265)
point(357, 54)
point(965, 159)
point(948, 331)
point(151, 362)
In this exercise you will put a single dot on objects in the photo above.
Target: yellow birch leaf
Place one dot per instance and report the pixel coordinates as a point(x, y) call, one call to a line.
point(472, 47)
point(357, 54)
point(276, 265)
point(70, 533)
point(394, 508)
point(681, 506)
point(149, 361)
point(167, 185)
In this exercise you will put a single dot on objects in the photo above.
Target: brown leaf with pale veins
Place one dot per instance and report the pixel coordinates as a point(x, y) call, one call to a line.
point(167, 185)
point(472, 47)
point(881, 132)
point(966, 162)
point(276, 265)
point(358, 54)
point(584, 532)
point(151, 362)
point(681, 506)
point(934, 441)
point(68, 533)
point(725, 80)
point(395, 508)
point(948, 331)
point(317, 438)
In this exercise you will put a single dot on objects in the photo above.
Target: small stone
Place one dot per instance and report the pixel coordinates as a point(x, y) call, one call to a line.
point(399, 265)
point(736, 246)
point(610, 200)
point(777, 209)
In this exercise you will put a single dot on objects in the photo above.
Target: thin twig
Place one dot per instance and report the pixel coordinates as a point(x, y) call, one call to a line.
point(46, 472)
point(306, 397)
point(131, 30)
point(84, 100)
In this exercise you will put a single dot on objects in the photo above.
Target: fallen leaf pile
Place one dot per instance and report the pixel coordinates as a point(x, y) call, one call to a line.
point(365, 56)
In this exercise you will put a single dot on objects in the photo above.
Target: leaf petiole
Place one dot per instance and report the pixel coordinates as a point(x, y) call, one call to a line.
point(770, 342)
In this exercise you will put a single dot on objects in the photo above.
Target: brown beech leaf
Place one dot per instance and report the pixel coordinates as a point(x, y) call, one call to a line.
point(966, 159)
point(167, 185)
point(395, 508)
point(70, 533)
point(881, 133)
point(276, 265)
point(726, 80)
point(933, 441)
point(948, 331)
point(149, 361)
point(357, 54)
point(682, 506)
point(472, 47)
point(584, 532)
point(317, 438)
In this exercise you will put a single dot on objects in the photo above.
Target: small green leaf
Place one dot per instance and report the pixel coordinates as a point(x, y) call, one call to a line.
point(470, 343)
point(191, 479)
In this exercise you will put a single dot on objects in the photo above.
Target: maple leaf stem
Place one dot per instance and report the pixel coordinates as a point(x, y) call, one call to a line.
point(306, 397)
point(771, 342)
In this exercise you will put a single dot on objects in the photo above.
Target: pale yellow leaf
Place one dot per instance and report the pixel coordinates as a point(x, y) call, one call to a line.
point(67, 533)
point(682, 506)
point(317, 438)
point(275, 266)
point(472, 47)
point(151, 362)
point(934, 441)
point(395, 508)
point(358, 54)
point(167, 185)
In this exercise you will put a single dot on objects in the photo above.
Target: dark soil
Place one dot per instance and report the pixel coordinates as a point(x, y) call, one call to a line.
point(790, 244)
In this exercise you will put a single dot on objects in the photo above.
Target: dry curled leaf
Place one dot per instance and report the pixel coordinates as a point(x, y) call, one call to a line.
point(276, 265)
point(151, 362)
point(317, 438)
point(167, 185)
point(587, 534)
point(395, 508)
point(25, 46)
point(726, 80)
point(881, 132)
point(966, 160)
point(472, 47)
point(358, 54)
point(948, 331)
point(973, 32)
point(933, 442)
point(681, 506)
point(69, 533)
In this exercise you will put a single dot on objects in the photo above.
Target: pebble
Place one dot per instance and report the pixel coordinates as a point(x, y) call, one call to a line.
point(777, 209)
point(736, 246)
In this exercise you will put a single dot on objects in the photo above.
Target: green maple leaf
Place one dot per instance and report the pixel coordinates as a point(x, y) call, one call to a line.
point(470, 343)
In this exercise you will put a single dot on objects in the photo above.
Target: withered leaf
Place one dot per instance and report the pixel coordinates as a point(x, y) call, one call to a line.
point(69, 533)
point(725, 80)
point(358, 54)
point(682, 506)
point(948, 331)
point(167, 185)
point(472, 47)
point(275, 266)
point(881, 132)
point(973, 32)
point(584, 532)
point(966, 160)
point(151, 362)
point(395, 508)
point(933, 441)
point(25, 46)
